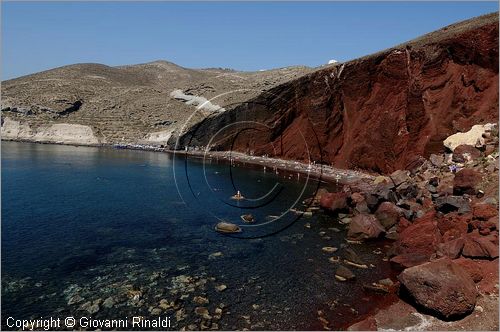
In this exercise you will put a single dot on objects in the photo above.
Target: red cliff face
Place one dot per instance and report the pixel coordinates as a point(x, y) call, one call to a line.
point(379, 113)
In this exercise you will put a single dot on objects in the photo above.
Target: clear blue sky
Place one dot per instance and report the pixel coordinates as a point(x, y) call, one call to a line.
point(244, 36)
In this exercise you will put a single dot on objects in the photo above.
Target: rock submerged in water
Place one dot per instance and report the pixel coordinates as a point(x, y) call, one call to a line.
point(228, 228)
point(343, 274)
point(334, 202)
point(248, 218)
point(351, 258)
point(442, 287)
point(329, 250)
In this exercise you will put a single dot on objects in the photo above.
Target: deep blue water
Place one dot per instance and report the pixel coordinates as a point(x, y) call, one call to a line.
point(100, 222)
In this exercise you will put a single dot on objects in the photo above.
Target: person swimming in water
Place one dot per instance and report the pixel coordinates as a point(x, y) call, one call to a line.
point(238, 196)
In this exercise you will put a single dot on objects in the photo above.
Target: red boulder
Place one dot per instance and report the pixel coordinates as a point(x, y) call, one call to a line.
point(465, 181)
point(420, 237)
point(453, 223)
point(483, 211)
point(451, 249)
point(441, 286)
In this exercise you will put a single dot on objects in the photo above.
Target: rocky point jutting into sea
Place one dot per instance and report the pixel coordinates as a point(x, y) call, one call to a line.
point(420, 119)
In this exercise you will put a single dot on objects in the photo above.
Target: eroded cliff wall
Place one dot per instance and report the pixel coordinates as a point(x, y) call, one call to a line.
point(382, 112)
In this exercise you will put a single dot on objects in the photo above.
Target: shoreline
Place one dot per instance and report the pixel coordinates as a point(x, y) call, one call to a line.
point(322, 173)
point(326, 173)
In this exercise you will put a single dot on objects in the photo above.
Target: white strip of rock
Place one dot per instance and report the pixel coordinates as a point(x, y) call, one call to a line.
point(472, 137)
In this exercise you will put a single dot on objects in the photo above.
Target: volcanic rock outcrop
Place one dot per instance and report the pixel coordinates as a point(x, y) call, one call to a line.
point(381, 113)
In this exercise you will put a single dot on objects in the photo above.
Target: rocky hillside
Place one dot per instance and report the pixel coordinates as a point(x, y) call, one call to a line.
point(139, 104)
point(381, 112)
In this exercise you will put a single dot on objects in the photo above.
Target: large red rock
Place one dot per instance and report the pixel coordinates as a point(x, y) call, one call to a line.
point(484, 211)
point(334, 202)
point(364, 226)
point(421, 237)
point(453, 224)
point(388, 214)
point(477, 246)
point(441, 286)
point(403, 223)
point(483, 272)
point(466, 181)
point(472, 267)
point(451, 249)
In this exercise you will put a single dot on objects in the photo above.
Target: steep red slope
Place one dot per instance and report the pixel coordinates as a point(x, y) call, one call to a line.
point(380, 113)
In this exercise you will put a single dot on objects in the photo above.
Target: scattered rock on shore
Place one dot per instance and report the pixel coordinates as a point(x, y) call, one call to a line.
point(388, 214)
point(466, 181)
point(343, 274)
point(364, 226)
point(334, 202)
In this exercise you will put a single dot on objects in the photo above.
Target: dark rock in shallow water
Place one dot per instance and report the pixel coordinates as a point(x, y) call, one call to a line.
point(343, 273)
point(465, 181)
point(352, 258)
point(442, 287)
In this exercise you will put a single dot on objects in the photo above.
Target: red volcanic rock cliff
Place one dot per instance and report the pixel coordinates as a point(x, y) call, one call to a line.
point(380, 113)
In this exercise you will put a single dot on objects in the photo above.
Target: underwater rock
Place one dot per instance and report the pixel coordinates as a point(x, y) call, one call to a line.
point(226, 227)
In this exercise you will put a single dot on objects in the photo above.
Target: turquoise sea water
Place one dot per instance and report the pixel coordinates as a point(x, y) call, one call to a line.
point(82, 225)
